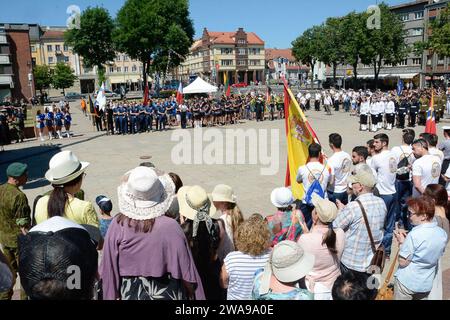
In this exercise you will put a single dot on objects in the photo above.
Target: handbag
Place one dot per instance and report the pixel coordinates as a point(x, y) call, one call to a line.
point(379, 254)
point(386, 292)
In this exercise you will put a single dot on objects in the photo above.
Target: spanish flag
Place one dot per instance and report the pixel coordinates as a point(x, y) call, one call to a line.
point(226, 82)
point(299, 136)
point(431, 117)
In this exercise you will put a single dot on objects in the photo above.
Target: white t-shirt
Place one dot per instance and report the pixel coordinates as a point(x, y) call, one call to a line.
point(429, 169)
point(311, 170)
point(365, 107)
point(401, 152)
point(341, 166)
point(385, 164)
point(437, 153)
point(447, 186)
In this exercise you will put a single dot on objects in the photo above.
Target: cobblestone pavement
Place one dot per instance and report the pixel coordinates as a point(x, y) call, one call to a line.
point(112, 156)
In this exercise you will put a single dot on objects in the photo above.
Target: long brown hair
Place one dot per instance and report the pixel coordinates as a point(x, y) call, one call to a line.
point(330, 239)
point(58, 198)
point(144, 226)
point(236, 216)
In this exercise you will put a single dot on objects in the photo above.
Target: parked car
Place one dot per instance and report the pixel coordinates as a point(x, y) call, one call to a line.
point(72, 96)
point(109, 95)
point(240, 85)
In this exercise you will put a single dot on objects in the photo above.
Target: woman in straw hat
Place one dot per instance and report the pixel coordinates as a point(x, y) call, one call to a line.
point(146, 255)
point(66, 174)
point(326, 244)
point(203, 235)
point(283, 278)
point(230, 216)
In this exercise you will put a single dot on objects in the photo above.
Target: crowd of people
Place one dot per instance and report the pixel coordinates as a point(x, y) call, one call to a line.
point(170, 241)
point(53, 120)
point(381, 110)
point(124, 117)
point(12, 124)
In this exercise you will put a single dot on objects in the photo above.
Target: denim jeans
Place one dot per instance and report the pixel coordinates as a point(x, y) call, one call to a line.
point(307, 210)
point(404, 191)
point(391, 205)
point(342, 197)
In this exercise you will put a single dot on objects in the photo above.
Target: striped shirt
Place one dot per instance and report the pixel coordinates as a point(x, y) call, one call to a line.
point(241, 269)
point(358, 251)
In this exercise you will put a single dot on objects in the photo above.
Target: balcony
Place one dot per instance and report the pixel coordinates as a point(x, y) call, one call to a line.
point(3, 39)
point(4, 59)
point(6, 79)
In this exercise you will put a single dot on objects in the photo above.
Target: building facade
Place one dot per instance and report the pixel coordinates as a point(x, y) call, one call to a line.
point(239, 55)
point(437, 67)
point(281, 62)
point(16, 80)
point(410, 69)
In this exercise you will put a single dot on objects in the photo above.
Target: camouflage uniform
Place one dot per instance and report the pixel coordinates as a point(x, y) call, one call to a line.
point(14, 214)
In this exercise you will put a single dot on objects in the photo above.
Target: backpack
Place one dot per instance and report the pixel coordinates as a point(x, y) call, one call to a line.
point(315, 188)
point(403, 165)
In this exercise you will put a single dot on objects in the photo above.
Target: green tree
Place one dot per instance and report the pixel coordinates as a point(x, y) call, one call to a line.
point(354, 39)
point(148, 30)
point(439, 41)
point(332, 50)
point(42, 78)
point(306, 48)
point(63, 76)
point(93, 40)
point(385, 45)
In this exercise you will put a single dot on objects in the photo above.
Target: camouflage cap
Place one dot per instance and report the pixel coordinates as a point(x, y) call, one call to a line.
point(16, 169)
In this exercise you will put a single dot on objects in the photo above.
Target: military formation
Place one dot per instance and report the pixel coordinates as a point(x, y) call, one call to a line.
point(381, 110)
point(12, 124)
point(126, 117)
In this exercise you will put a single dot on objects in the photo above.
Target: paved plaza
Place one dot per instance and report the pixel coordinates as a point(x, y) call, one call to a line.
point(112, 156)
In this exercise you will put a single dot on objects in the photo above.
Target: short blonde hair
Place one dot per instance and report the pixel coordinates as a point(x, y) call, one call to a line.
point(253, 237)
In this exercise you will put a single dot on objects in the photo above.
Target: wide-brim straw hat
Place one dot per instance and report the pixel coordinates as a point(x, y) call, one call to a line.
point(145, 195)
point(191, 199)
point(64, 167)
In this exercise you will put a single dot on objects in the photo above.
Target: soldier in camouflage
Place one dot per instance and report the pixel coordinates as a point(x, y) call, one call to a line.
point(14, 217)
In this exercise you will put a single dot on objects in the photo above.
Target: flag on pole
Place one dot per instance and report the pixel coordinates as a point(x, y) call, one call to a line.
point(146, 94)
point(101, 97)
point(399, 87)
point(227, 89)
point(269, 95)
point(431, 116)
point(91, 106)
point(180, 94)
point(299, 136)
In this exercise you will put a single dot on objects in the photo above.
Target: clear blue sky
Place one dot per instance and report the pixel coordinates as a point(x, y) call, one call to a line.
point(276, 22)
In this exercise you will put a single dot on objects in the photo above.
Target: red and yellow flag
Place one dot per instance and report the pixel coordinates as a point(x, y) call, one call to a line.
point(431, 117)
point(299, 136)
point(226, 84)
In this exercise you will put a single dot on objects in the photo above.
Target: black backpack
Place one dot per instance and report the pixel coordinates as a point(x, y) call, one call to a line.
point(404, 163)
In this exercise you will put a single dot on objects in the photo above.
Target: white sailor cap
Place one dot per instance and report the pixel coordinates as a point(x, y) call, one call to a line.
point(446, 128)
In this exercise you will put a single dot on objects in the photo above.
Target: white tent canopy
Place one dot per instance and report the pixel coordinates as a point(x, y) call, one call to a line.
point(199, 86)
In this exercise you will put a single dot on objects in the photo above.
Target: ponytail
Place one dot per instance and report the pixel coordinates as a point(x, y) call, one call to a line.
point(56, 206)
point(330, 240)
point(57, 202)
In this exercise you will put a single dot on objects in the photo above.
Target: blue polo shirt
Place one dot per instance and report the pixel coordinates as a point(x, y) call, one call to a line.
point(423, 246)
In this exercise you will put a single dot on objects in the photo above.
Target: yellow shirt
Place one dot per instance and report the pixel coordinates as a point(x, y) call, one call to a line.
point(79, 211)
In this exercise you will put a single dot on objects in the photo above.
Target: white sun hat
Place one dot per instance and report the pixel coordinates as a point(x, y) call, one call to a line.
point(64, 167)
point(144, 195)
point(223, 193)
point(282, 197)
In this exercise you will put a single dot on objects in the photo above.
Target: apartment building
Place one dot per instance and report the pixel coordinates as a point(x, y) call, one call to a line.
point(239, 55)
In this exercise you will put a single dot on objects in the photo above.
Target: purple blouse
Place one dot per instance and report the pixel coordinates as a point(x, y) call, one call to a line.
point(154, 254)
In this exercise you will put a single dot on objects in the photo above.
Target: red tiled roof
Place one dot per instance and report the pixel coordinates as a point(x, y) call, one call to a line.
point(52, 34)
point(272, 54)
point(229, 38)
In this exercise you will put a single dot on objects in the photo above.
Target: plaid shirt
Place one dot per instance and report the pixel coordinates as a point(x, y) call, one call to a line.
point(358, 251)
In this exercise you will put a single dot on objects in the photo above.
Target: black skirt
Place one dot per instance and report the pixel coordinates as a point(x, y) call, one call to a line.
point(149, 288)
